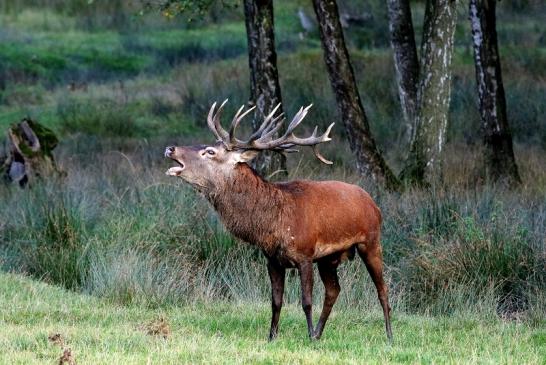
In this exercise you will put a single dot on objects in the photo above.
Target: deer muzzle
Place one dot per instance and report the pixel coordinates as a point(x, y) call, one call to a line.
point(176, 170)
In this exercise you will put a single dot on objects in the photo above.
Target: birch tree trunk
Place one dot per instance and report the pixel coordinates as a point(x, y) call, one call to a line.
point(265, 91)
point(434, 92)
point(406, 62)
point(500, 163)
point(369, 161)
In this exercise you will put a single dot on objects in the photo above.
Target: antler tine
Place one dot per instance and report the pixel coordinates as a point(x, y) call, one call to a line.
point(280, 116)
point(308, 141)
point(238, 113)
point(272, 114)
point(210, 122)
point(327, 133)
point(298, 118)
point(276, 123)
point(221, 132)
point(290, 126)
point(269, 118)
point(271, 131)
point(268, 121)
point(235, 123)
point(321, 157)
point(314, 142)
point(289, 140)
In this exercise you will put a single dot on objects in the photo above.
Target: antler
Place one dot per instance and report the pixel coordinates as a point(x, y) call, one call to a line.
point(261, 139)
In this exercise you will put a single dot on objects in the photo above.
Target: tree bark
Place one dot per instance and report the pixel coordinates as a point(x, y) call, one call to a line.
point(265, 90)
point(369, 161)
point(500, 163)
point(29, 153)
point(405, 61)
point(434, 93)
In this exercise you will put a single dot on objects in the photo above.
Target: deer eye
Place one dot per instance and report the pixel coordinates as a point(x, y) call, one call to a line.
point(210, 152)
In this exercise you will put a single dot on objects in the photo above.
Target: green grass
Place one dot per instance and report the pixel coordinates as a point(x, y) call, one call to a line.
point(98, 332)
point(58, 56)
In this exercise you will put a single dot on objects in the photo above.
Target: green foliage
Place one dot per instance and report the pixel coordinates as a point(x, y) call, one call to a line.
point(189, 8)
point(118, 117)
point(173, 47)
point(52, 62)
point(138, 275)
point(102, 118)
point(22, 64)
point(526, 112)
point(18, 94)
point(175, 52)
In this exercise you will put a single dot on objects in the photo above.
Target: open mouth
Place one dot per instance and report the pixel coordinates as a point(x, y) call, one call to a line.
point(176, 170)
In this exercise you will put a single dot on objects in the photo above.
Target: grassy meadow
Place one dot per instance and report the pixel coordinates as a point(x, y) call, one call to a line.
point(104, 253)
point(97, 331)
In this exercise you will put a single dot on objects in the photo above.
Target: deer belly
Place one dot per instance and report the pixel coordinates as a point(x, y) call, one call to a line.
point(327, 248)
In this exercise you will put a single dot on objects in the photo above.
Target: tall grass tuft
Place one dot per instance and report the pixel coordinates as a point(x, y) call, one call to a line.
point(497, 258)
point(467, 248)
point(48, 237)
point(133, 275)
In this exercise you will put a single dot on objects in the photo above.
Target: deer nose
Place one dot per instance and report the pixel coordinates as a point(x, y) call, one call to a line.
point(169, 151)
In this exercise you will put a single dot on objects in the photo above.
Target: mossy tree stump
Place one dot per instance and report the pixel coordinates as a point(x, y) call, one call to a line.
point(28, 153)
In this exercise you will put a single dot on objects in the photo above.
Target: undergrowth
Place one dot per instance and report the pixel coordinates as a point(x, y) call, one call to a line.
point(119, 229)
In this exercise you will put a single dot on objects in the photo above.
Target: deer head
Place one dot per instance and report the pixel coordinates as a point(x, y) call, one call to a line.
point(207, 166)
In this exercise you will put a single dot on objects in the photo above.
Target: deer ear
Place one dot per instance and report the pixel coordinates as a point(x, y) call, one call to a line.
point(246, 155)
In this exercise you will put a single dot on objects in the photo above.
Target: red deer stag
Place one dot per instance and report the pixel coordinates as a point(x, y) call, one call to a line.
point(294, 223)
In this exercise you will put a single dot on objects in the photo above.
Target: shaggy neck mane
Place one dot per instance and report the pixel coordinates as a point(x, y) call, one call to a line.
point(251, 208)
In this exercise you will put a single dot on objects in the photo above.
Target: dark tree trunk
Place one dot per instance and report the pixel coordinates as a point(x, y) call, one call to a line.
point(500, 163)
point(368, 159)
point(265, 91)
point(405, 60)
point(434, 92)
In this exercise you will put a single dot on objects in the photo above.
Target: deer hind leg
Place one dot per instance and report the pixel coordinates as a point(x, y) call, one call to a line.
point(306, 276)
point(277, 276)
point(328, 275)
point(372, 256)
